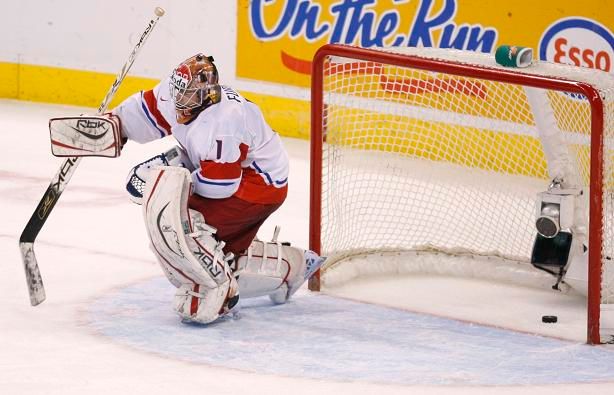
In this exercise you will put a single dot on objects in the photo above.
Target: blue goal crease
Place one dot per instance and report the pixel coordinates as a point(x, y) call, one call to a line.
point(322, 337)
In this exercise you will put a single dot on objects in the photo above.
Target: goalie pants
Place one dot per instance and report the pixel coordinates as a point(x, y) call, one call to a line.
point(237, 221)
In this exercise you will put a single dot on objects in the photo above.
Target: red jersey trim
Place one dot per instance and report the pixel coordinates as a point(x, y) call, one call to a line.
point(253, 189)
point(223, 170)
point(220, 171)
point(152, 106)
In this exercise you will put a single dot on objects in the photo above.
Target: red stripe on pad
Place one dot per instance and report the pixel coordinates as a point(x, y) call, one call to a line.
point(194, 302)
point(55, 142)
point(59, 144)
point(154, 188)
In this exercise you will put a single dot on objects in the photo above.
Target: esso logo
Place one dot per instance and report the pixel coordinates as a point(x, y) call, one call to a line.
point(579, 42)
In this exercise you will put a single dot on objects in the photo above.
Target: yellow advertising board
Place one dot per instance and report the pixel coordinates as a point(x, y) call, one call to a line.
point(276, 39)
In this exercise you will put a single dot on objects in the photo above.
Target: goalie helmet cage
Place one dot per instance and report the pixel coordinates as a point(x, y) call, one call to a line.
point(438, 150)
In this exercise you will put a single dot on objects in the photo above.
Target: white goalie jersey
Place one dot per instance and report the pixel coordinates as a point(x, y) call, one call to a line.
point(231, 148)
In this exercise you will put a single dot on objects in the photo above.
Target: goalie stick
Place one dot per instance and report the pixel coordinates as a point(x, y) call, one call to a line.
point(61, 179)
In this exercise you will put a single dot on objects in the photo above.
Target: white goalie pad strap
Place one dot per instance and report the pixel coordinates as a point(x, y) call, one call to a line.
point(86, 136)
point(275, 269)
point(187, 251)
point(263, 270)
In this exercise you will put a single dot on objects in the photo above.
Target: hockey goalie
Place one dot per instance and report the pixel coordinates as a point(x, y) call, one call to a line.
point(204, 200)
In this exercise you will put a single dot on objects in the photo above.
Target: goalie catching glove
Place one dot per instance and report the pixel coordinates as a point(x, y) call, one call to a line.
point(95, 135)
point(139, 174)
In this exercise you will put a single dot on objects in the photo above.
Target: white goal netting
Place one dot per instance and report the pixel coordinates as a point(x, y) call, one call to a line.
point(425, 160)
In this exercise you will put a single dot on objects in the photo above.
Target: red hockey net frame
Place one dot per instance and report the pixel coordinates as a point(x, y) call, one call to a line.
point(597, 161)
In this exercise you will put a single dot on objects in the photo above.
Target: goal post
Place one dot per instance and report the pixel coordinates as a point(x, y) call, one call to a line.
point(444, 151)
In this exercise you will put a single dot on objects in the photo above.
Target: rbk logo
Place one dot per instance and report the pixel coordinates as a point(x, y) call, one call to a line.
point(92, 124)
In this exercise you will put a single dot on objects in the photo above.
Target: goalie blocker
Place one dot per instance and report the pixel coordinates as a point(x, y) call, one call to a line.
point(86, 136)
point(208, 280)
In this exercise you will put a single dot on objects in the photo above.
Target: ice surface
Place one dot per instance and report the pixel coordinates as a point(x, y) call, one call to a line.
point(323, 337)
point(106, 326)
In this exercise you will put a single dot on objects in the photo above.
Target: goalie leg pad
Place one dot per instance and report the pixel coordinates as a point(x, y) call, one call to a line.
point(186, 248)
point(86, 136)
point(275, 269)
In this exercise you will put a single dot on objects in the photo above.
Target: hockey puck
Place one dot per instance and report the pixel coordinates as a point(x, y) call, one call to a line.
point(549, 319)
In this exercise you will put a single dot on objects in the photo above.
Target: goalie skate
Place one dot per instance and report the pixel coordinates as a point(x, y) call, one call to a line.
point(275, 269)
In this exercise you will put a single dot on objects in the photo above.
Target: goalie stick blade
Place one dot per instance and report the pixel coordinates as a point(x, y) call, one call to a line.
point(35, 224)
point(33, 275)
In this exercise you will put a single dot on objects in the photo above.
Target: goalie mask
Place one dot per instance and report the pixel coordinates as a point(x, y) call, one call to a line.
point(194, 86)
